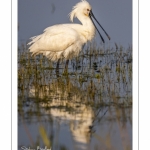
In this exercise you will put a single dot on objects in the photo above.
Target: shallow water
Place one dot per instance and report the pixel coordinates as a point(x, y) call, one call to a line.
point(87, 108)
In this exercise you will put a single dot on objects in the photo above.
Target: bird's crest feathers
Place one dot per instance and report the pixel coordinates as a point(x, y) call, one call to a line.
point(76, 8)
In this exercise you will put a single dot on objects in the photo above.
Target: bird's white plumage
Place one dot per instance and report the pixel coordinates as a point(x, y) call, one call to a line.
point(65, 40)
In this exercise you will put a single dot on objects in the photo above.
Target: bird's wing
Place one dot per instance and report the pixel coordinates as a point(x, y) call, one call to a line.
point(56, 38)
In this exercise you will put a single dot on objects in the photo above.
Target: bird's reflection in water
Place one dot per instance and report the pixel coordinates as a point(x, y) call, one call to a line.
point(69, 115)
point(67, 104)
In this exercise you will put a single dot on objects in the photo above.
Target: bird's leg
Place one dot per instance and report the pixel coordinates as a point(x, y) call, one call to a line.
point(66, 65)
point(57, 66)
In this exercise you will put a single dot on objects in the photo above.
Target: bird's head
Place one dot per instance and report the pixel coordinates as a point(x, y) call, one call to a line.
point(81, 8)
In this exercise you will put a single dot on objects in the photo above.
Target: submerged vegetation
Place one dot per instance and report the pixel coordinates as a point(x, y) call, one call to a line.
point(97, 89)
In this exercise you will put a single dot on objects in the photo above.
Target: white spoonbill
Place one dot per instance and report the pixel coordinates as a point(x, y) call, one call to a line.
point(65, 41)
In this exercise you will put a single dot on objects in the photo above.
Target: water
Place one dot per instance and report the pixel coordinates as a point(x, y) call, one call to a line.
point(87, 108)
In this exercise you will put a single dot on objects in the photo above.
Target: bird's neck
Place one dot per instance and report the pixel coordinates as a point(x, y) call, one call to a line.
point(88, 27)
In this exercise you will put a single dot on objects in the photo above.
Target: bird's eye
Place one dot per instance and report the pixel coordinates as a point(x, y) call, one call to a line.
point(88, 10)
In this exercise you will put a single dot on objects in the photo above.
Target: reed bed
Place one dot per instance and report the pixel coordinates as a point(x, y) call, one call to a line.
point(99, 81)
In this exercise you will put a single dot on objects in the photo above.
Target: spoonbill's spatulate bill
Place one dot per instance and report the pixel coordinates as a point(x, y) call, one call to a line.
point(65, 41)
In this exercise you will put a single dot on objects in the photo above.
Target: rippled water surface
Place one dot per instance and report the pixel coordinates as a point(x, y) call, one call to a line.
point(87, 108)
